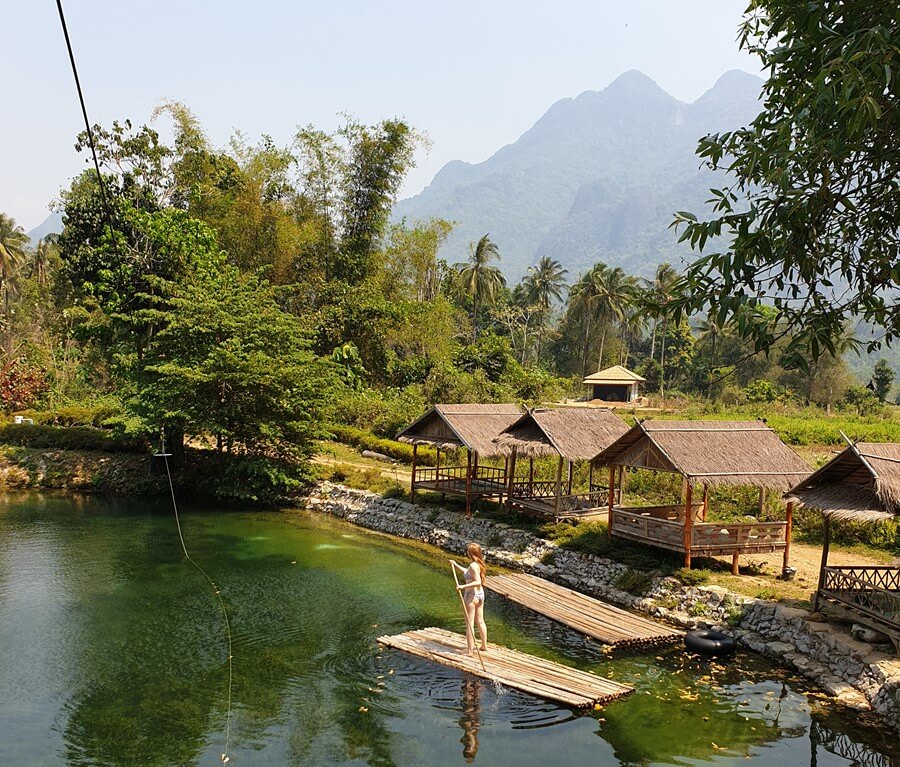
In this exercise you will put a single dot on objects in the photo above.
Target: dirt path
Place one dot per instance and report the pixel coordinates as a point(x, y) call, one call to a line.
point(389, 471)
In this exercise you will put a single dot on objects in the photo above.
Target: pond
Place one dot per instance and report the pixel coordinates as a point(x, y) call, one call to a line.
point(112, 653)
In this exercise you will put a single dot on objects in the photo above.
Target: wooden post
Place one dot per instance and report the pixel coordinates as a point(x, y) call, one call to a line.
point(468, 482)
point(569, 491)
point(688, 522)
point(736, 563)
point(511, 477)
point(505, 477)
point(590, 476)
point(826, 544)
point(559, 468)
point(762, 499)
point(531, 476)
point(621, 484)
point(787, 537)
point(611, 499)
point(706, 504)
point(412, 482)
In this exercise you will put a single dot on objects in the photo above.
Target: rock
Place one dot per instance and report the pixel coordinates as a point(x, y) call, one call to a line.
point(865, 634)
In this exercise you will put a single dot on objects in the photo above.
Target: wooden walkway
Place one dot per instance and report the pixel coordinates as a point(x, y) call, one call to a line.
point(589, 616)
point(511, 668)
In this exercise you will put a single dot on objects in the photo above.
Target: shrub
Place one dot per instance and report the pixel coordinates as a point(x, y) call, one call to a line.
point(395, 491)
point(692, 577)
point(635, 582)
point(70, 438)
point(365, 440)
point(253, 479)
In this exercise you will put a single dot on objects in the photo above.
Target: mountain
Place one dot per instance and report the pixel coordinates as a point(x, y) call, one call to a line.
point(597, 178)
point(50, 225)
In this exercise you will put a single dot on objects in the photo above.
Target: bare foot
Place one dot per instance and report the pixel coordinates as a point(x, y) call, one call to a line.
point(484, 648)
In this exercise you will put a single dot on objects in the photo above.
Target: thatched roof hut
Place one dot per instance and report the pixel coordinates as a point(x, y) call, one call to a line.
point(472, 426)
point(741, 453)
point(574, 433)
point(861, 483)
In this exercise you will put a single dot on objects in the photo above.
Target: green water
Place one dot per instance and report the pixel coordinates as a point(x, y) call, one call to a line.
point(112, 653)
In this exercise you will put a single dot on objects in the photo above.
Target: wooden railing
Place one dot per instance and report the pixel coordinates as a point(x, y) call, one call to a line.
point(872, 591)
point(672, 512)
point(657, 526)
point(569, 504)
point(522, 488)
point(454, 475)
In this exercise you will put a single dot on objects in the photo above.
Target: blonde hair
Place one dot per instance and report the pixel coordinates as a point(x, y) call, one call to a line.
point(474, 552)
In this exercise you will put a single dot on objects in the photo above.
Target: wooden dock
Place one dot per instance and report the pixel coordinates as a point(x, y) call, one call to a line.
point(511, 668)
point(603, 622)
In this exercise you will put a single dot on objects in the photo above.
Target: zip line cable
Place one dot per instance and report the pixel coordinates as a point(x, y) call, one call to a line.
point(165, 456)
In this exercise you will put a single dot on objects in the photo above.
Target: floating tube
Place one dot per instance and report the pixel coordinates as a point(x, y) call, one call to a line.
point(709, 642)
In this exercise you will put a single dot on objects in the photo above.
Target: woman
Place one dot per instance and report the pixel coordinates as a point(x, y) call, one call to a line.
point(473, 596)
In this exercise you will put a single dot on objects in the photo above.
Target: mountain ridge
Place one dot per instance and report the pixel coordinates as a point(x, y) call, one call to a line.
point(568, 185)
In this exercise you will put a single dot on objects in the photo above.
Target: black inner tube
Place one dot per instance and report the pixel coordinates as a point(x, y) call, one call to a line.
point(709, 642)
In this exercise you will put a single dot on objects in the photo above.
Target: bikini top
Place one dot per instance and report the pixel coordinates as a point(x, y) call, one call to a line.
point(470, 574)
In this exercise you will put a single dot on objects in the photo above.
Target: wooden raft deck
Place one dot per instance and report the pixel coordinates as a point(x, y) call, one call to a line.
point(585, 614)
point(511, 668)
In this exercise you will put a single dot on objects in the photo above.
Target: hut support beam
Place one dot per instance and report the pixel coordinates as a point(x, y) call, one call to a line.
point(569, 484)
point(531, 476)
point(705, 501)
point(826, 544)
point(556, 502)
point(412, 481)
point(505, 475)
point(736, 563)
point(468, 483)
point(611, 497)
point(787, 538)
point(510, 476)
point(688, 523)
point(621, 484)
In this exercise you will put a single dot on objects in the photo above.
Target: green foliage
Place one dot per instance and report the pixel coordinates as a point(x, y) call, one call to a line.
point(252, 479)
point(384, 412)
point(692, 577)
point(818, 240)
point(882, 379)
point(810, 526)
point(367, 441)
point(863, 400)
point(761, 390)
point(635, 582)
point(69, 438)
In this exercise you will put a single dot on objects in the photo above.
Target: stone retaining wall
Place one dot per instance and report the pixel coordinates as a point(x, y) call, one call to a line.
point(856, 673)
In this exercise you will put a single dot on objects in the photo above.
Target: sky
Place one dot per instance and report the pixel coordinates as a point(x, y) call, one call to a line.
point(474, 75)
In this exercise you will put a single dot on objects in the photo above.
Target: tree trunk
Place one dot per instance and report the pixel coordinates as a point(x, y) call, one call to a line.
point(662, 363)
point(587, 343)
point(600, 356)
point(653, 339)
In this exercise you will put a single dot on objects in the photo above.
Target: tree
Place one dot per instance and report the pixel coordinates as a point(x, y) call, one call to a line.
point(811, 217)
point(607, 294)
point(41, 260)
point(229, 362)
point(882, 379)
point(13, 242)
point(659, 294)
point(544, 285)
point(478, 278)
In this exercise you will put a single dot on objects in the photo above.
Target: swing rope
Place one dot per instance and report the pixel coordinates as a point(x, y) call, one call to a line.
point(165, 456)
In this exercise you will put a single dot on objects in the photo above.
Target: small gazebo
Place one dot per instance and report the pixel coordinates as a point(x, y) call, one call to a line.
point(468, 426)
point(614, 384)
point(571, 434)
point(709, 454)
point(860, 484)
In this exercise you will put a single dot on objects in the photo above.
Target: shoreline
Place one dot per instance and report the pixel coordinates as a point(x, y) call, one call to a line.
point(856, 674)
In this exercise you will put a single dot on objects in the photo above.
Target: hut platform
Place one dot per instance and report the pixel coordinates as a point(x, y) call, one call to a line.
point(532, 675)
point(603, 622)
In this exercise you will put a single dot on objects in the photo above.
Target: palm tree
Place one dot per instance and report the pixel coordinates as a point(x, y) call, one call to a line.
point(659, 293)
point(478, 278)
point(13, 242)
point(40, 260)
point(544, 285)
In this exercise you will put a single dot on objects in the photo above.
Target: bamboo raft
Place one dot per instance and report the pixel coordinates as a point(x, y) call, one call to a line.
point(584, 614)
point(536, 676)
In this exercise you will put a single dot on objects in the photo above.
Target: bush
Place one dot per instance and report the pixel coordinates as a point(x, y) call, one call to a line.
point(635, 582)
point(383, 412)
point(252, 479)
point(692, 577)
point(74, 415)
point(70, 438)
point(365, 440)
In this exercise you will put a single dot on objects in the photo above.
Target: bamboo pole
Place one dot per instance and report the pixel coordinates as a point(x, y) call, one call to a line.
point(531, 476)
point(468, 482)
point(412, 481)
point(569, 491)
point(705, 500)
point(621, 483)
point(787, 538)
point(762, 499)
point(590, 476)
point(826, 544)
point(688, 522)
point(453, 567)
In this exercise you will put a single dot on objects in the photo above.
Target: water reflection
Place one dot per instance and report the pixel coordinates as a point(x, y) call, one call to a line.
point(470, 702)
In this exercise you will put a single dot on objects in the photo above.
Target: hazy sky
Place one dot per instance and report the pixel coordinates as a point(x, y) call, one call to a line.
point(473, 75)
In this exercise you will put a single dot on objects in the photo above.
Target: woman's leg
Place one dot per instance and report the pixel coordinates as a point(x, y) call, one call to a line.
point(482, 626)
point(470, 625)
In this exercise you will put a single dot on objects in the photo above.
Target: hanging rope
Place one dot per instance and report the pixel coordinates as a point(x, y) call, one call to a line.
point(165, 456)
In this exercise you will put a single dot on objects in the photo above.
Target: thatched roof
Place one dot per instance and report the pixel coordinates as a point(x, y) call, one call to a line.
point(861, 483)
point(617, 374)
point(743, 453)
point(575, 433)
point(462, 425)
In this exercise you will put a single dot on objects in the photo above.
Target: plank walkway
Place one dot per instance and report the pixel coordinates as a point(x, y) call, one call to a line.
point(511, 668)
point(605, 623)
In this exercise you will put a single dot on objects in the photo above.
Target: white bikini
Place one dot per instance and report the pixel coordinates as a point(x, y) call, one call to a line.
point(477, 594)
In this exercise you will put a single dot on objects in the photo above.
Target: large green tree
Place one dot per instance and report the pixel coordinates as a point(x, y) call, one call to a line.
point(544, 284)
point(13, 242)
point(810, 220)
point(478, 278)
